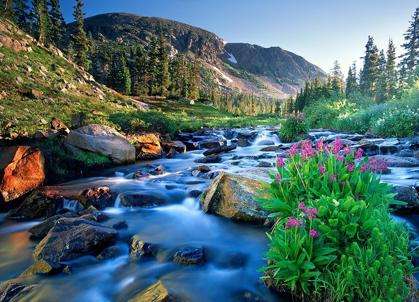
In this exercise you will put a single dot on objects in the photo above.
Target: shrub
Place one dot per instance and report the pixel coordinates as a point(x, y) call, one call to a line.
point(336, 210)
point(397, 122)
point(153, 121)
point(293, 127)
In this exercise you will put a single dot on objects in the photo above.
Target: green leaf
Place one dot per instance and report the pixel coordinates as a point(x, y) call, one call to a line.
point(351, 229)
point(397, 202)
point(369, 224)
point(324, 228)
point(308, 265)
point(323, 251)
point(322, 211)
point(333, 222)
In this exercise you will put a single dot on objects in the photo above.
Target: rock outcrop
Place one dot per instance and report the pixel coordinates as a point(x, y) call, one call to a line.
point(232, 196)
point(21, 171)
point(147, 146)
point(74, 237)
point(102, 140)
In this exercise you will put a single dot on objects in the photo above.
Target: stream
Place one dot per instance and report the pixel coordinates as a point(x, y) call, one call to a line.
point(233, 250)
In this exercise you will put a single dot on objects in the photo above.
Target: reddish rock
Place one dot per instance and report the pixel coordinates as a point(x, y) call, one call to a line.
point(99, 197)
point(21, 171)
point(147, 146)
point(178, 146)
point(56, 124)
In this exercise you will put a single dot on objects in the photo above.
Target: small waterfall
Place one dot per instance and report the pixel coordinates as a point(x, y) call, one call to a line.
point(117, 203)
point(72, 205)
point(191, 203)
point(266, 135)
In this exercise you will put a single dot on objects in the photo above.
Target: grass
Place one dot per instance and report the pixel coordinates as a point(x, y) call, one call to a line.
point(191, 117)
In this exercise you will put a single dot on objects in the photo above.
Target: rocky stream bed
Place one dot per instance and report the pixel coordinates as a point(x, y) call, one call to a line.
point(181, 228)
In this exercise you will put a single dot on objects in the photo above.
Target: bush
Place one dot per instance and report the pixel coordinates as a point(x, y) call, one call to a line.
point(153, 121)
point(293, 127)
point(337, 219)
point(397, 122)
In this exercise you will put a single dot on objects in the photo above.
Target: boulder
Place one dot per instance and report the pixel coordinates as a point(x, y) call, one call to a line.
point(21, 171)
point(99, 197)
point(120, 225)
point(264, 164)
point(408, 195)
point(393, 161)
point(172, 153)
point(147, 146)
point(212, 143)
point(232, 196)
point(56, 124)
point(203, 169)
point(210, 159)
point(36, 94)
point(270, 148)
point(143, 200)
point(405, 153)
point(43, 266)
point(109, 253)
point(139, 248)
point(91, 213)
point(246, 134)
point(41, 229)
point(12, 291)
point(77, 120)
point(242, 142)
point(154, 293)
point(46, 134)
point(190, 256)
point(219, 150)
point(102, 140)
point(178, 146)
point(71, 238)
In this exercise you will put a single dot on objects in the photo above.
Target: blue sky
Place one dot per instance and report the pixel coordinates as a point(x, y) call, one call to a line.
point(321, 31)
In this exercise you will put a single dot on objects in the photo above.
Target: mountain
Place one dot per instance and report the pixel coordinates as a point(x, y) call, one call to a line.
point(248, 68)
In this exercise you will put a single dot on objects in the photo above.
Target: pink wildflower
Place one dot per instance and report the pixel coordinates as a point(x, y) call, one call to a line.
point(343, 183)
point(332, 177)
point(337, 146)
point(364, 167)
point(313, 233)
point(278, 178)
point(351, 167)
point(358, 154)
point(280, 162)
point(301, 205)
point(322, 169)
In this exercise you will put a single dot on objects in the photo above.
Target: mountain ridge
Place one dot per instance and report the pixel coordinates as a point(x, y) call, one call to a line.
point(272, 72)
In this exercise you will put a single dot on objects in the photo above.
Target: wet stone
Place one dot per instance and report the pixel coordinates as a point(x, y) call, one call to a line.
point(194, 193)
point(264, 164)
point(142, 200)
point(94, 214)
point(43, 266)
point(190, 256)
point(209, 159)
point(141, 175)
point(120, 225)
point(109, 253)
point(139, 248)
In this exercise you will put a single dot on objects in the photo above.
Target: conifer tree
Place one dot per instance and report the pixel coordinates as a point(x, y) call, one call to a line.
point(153, 66)
point(336, 74)
point(411, 57)
point(391, 72)
point(21, 13)
point(369, 74)
point(139, 72)
point(381, 93)
point(58, 26)
point(7, 9)
point(195, 78)
point(351, 81)
point(123, 77)
point(41, 21)
point(79, 37)
point(163, 76)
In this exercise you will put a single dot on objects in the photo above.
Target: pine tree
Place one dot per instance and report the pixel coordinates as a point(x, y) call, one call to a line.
point(153, 66)
point(21, 13)
point(123, 77)
point(58, 26)
point(7, 9)
point(163, 76)
point(369, 74)
point(41, 21)
point(336, 74)
point(79, 37)
point(391, 70)
point(381, 93)
point(411, 46)
point(195, 78)
point(351, 81)
point(139, 72)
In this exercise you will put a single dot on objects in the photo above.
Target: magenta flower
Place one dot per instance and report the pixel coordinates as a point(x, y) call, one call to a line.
point(337, 146)
point(301, 205)
point(280, 162)
point(332, 177)
point(364, 167)
point(339, 158)
point(351, 167)
point(358, 154)
point(313, 233)
point(343, 183)
point(278, 178)
point(322, 169)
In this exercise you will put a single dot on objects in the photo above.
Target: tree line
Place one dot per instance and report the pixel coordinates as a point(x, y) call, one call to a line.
point(380, 79)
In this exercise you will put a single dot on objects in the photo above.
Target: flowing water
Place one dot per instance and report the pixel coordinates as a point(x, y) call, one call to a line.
point(234, 251)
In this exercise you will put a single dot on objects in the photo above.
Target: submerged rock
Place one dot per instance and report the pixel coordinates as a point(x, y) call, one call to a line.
point(190, 256)
point(154, 293)
point(99, 197)
point(142, 200)
point(242, 142)
point(21, 171)
point(43, 266)
point(210, 159)
point(109, 253)
point(219, 150)
point(40, 230)
point(139, 248)
point(120, 225)
point(93, 214)
point(408, 195)
point(71, 238)
point(232, 196)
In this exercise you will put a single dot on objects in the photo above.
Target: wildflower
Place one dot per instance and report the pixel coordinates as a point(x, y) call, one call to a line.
point(364, 167)
point(278, 178)
point(313, 233)
point(337, 146)
point(351, 167)
point(301, 205)
point(280, 162)
point(347, 150)
point(332, 177)
point(358, 154)
point(343, 183)
point(339, 158)
point(322, 169)
point(336, 202)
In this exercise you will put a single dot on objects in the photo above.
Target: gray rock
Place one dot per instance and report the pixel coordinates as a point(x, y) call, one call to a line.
point(209, 159)
point(406, 194)
point(190, 256)
point(102, 140)
point(393, 161)
point(120, 225)
point(109, 253)
point(405, 153)
point(143, 200)
point(40, 230)
point(71, 238)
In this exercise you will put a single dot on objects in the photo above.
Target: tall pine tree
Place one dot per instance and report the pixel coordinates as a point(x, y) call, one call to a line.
point(163, 76)
point(411, 57)
point(370, 72)
point(41, 22)
point(58, 26)
point(79, 37)
point(153, 66)
point(351, 81)
point(381, 93)
point(391, 72)
point(21, 12)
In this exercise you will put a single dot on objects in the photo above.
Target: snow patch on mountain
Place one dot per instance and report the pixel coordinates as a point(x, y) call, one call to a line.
point(222, 74)
point(232, 58)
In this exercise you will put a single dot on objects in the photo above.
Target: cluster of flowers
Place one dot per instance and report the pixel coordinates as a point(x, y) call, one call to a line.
point(130, 138)
point(310, 213)
point(299, 117)
point(357, 120)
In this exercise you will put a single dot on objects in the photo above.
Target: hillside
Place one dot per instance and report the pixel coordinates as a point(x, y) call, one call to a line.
point(38, 83)
point(248, 68)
